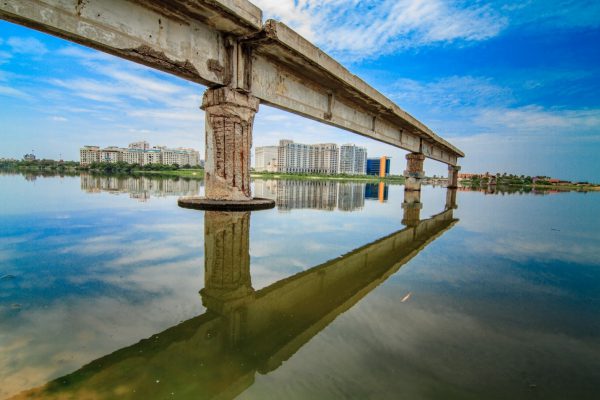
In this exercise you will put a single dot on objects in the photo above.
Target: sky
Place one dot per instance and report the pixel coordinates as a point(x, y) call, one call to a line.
point(514, 84)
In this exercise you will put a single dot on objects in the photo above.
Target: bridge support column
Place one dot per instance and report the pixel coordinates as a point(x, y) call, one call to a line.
point(414, 171)
point(412, 208)
point(229, 121)
point(453, 176)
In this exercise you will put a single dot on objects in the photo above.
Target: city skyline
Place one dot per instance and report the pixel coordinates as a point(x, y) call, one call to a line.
point(515, 87)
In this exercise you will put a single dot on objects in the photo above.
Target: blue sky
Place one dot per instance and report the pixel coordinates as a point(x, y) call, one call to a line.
point(516, 85)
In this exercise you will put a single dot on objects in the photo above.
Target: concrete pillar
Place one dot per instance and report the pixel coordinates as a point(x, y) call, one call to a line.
point(229, 120)
point(453, 176)
point(412, 208)
point(451, 199)
point(414, 171)
point(227, 284)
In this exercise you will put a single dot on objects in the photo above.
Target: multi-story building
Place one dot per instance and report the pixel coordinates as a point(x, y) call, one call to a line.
point(265, 159)
point(133, 156)
point(324, 158)
point(111, 154)
point(353, 160)
point(143, 145)
point(378, 166)
point(152, 156)
point(140, 153)
point(89, 154)
point(307, 158)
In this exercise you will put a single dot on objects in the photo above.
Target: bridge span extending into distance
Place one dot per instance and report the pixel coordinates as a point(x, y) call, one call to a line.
point(225, 45)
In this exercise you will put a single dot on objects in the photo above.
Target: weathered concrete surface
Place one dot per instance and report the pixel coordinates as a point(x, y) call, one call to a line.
point(180, 37)
point(223, 43)
point(453, 176)
point(217, 354)
point(414, 173)
point(229, 120)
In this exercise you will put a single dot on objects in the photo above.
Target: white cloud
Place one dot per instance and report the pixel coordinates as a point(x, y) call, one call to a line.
point(452, 91)
point(12, 92)
point(538, 120)
point(58, 118)
point(4, 57)
point(358, 29)
point(27, 46)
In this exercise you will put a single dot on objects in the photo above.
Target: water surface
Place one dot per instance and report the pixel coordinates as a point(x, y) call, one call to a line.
point(345, 290)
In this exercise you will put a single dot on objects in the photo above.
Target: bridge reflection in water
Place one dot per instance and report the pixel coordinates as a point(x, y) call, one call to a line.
point(244, 331)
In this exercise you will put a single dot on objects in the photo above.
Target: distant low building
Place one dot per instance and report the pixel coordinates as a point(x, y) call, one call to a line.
point(29, 157)
point(140, 153)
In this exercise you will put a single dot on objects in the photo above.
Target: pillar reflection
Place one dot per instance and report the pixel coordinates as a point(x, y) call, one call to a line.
point(451, 199)
point(227, 282)
point(412, 208)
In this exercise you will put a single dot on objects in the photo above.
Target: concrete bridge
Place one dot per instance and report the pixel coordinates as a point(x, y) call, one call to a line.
point(217, 354)
point(224, 45)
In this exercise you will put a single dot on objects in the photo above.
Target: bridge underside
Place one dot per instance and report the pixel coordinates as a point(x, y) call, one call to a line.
point(223, 43)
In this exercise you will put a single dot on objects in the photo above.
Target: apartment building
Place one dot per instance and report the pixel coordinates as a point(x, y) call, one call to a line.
point(89, 154)
point(307, 158)
point(140, 153)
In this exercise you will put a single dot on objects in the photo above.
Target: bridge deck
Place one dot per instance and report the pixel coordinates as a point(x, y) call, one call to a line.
point(224, 43)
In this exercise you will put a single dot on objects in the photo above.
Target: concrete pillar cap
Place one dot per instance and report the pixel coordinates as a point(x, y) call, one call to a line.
point(227, 96)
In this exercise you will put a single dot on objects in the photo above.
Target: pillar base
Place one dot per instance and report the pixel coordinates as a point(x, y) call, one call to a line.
point(202, 203)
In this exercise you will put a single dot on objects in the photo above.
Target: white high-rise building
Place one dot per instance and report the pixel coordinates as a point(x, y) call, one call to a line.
point(353, 160)
point(306, 158)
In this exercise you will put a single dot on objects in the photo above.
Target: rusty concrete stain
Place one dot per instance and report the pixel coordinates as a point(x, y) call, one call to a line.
point(149, 55)
point(216, 67)
point(79, 6)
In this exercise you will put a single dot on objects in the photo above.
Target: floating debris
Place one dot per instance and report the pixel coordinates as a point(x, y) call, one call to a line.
point(405, 298)
point(7, 277)
point(15, 306)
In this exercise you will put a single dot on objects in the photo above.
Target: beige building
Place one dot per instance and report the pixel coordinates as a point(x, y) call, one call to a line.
point(140, 153)
point(111, 154)
point(265, 159)
point(89, 154)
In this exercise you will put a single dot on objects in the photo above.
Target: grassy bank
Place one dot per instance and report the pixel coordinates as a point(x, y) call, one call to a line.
point(348, 178)
point(546, 187)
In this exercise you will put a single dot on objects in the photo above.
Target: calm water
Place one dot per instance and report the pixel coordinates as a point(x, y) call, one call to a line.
point(109, 290)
